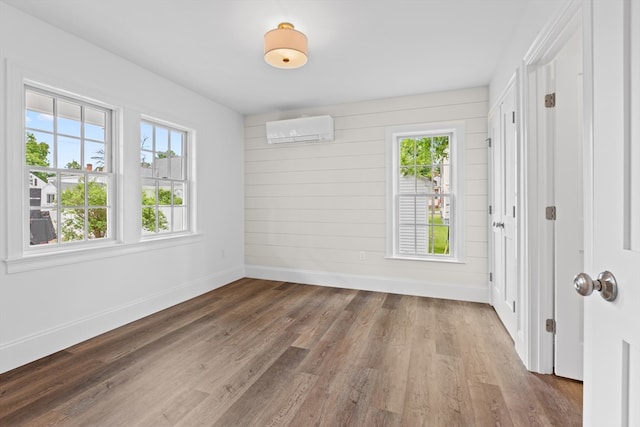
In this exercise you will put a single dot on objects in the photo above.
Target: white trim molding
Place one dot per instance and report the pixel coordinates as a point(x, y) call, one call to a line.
point(538, 268)
point(26, 349)
point(422, 288)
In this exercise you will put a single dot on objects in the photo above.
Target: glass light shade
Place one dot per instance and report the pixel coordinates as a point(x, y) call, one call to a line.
point(285, 47)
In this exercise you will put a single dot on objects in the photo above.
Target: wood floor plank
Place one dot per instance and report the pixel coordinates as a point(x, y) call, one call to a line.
point(394, 357)
point(255, 398)
point(418, 401)
point(281, 408)
point(489, 406)
point(273, 353)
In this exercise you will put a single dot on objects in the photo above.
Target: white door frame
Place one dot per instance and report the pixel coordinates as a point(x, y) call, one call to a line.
point(536, 270)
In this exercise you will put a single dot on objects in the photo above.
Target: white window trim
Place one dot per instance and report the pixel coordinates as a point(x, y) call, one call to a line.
point(127, 241)
point(113, 152)
point(191, 184)
point(393, 134)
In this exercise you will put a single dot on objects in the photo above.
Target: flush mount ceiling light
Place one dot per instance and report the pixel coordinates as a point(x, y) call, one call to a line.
point(285, 47)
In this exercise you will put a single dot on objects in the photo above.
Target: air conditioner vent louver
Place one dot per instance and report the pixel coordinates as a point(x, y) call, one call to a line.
point(309, 129)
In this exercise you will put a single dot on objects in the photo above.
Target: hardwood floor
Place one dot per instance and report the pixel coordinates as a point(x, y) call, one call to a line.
point(263, 353)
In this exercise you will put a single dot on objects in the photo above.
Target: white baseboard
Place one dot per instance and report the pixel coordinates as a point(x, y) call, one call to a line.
point(423, 288)
point(27, 349)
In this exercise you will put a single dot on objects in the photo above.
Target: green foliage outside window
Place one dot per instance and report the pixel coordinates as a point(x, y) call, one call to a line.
point(149, 209)
point(36, 154)
point(421, 157)
point(73, 225)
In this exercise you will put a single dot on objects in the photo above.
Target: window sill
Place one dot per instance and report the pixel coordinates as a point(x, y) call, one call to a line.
point(36, 261)
point(441, 260)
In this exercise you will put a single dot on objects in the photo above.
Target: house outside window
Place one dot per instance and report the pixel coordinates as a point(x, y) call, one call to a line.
point(68, 169)
point(424, 192)
point(163, 169)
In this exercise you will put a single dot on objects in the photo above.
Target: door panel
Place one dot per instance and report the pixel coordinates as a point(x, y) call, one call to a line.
point(502, 159)
point(612, 331)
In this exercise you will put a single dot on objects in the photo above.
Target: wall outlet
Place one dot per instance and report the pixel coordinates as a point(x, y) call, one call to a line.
point(363, 255)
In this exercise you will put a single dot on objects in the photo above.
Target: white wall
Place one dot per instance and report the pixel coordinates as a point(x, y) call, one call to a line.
point(70, 298)
point(537, 15)
point(312, 208)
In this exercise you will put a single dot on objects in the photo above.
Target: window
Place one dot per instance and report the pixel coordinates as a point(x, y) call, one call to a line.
point(164, 179)
point(68, 169)
point(423, 195)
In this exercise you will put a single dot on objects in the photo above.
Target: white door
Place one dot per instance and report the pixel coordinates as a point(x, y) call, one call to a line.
point(502, 157)
point(567, 198)
point(612, 215)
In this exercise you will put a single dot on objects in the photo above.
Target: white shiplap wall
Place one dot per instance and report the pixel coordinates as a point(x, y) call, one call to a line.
point(315, 212)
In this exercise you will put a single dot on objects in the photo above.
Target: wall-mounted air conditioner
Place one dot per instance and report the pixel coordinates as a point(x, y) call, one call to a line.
point(317, 128)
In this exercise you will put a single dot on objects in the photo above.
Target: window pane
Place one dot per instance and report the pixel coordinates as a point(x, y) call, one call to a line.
point(439, 240)
point(421, 240)
point(422, 153)
point(39, 111)
point(42, 188)
point(149, 220)
point(164, 218)
point(69, 154)
point(444, 181)
point(149, 192)
point(72, 228)
point(180, 218)
point(94, 125)
point(162, 166)
point(164, 193)
point(445, 209)
point(38, 149)
point(146, 163)
point(69, 118)
point(42, 225)
point(97, 191)
point(407, 156)
point(407, 181)
point(94, 156)
point(178, 193)
point(161, 141)
point(72, 187)
point(176, 143)
point(97, 223)
point(146, 136)
point(176, 168)
point(407, 209)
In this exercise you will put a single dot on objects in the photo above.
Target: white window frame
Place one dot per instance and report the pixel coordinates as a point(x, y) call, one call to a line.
point(187, 181)
point(110, 175)
point(126, 229)
point(394, 135)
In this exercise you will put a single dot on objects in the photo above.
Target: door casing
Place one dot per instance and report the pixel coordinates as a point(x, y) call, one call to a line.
point(536, 270)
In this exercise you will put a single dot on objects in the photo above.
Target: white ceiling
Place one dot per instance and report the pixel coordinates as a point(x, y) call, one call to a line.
point(358, 49)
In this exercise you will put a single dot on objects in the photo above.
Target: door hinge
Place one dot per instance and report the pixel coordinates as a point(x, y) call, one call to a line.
point(514, 211)
point(491, 277)
point(550, 325)
point(488, 141)
point(550, 100)
point(513, 306)
point(550, 213)
point(513, 117)
point(490, 210)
